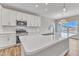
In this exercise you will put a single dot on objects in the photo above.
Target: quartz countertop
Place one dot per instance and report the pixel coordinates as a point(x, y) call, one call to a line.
point(2, 33)
point(34, 43)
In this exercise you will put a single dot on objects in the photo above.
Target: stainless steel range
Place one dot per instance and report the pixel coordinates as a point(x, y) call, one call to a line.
point(21, 30)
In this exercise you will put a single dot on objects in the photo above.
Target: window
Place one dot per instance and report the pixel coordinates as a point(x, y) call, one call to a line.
point(71, 24)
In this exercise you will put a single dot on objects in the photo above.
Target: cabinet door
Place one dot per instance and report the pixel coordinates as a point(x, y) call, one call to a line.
point(0, 12)
point(19, 16)
point(32, 20)
point(8, 17)
point(25, 17)
point(0, 18)
point(12, 39)
point(38, 21)
point(12, 15)
point(28, 20)
point(35, 20)
point(5, 16)
point(3, 40)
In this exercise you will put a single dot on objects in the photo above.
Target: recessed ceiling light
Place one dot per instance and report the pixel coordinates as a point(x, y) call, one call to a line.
point(36, 5)
point(46, 9)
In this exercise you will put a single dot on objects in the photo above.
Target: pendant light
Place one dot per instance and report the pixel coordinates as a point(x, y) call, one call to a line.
point(64, 8)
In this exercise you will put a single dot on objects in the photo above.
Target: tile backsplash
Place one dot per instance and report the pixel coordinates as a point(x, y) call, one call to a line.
point(9, 29)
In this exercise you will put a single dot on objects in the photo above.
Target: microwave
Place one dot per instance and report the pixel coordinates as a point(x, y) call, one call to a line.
point(21, 23)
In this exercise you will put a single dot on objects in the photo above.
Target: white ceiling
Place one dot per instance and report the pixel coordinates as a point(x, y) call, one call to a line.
point(54, 9)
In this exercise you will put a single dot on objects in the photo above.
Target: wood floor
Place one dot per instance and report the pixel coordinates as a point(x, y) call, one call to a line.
point(15, 50)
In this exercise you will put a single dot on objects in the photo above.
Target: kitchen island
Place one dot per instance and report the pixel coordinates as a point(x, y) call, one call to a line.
point(44, 45)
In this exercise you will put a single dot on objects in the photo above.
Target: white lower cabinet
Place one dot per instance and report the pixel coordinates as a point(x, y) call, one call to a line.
point(6, 40)
point(12, 39)
point(3, 40)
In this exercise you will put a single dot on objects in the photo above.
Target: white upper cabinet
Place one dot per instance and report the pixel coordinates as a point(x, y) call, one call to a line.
point(12, 17)
point(37, 21)
point(5, 16)
point(0, 12)
point(33, 20)
point(0, 18)
point(29, 20)
point(8, 17)
point(25, 16)
point(19, 16)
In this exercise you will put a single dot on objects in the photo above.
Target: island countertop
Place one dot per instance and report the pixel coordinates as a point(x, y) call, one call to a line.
point(36, 43)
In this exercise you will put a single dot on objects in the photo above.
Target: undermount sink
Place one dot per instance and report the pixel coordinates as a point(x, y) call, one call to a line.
point(48, 34)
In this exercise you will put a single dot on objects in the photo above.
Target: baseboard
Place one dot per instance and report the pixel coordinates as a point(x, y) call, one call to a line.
point(64, 52)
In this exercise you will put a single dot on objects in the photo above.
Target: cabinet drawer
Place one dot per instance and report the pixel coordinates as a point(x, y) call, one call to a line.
point(12, 39)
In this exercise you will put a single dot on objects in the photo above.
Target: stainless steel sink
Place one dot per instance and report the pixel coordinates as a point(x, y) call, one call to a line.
point(48, 34)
